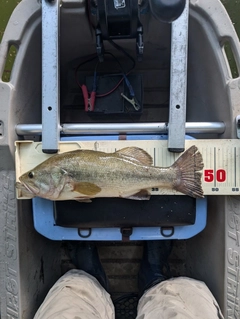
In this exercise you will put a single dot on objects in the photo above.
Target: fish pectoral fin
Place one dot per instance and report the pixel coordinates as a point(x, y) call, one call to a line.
point(143, 194)
point(86, 188)
point(137, 153)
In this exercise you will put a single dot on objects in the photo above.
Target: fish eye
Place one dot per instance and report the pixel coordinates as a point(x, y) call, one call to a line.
point(30, 174)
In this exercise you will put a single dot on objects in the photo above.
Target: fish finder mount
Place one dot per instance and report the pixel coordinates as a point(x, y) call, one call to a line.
point(120, 19)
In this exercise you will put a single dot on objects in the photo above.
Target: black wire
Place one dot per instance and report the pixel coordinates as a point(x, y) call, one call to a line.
point(81, 64)
point(116, 59)
point(124, 78)
point(119, 48)
point(86, 61)
point(95, 57)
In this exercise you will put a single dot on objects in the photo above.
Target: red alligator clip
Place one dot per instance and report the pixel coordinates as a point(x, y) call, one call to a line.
point(89, 102)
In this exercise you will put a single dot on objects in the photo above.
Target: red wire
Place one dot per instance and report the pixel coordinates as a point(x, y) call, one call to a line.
point(99, 95)
point(104, 94)
point(111, 91)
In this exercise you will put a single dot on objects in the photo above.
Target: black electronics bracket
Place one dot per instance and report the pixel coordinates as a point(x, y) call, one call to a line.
point(118, 19)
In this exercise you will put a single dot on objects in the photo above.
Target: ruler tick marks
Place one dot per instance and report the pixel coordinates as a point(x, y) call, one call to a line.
point(235, 167)
point(235, 188)
point(214, 189)
point(214, 167)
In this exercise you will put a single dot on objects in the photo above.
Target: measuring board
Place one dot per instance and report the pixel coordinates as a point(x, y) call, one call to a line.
point(221, 158)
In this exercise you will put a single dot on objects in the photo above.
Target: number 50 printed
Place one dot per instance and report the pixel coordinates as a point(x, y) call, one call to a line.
point(220, 175)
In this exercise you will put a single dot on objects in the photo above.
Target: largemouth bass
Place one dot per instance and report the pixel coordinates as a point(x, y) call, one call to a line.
point(128, 173)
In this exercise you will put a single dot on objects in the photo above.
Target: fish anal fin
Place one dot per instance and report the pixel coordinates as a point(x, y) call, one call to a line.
point(83, 199)
point(188, 168)
point(86, 188)
point(143, 194)
point(137, 153)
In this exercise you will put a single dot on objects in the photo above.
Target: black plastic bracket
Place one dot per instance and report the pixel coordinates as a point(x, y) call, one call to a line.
point(126, 233)
point(118, 23)
point(84, 232)
point(167, 231)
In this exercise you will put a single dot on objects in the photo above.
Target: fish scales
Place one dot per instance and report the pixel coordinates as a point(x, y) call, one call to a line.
point(117, 171)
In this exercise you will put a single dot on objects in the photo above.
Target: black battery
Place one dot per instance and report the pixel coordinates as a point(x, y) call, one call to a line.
point(109, 96)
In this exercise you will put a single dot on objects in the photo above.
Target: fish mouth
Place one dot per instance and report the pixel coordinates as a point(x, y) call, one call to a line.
point(26, 188)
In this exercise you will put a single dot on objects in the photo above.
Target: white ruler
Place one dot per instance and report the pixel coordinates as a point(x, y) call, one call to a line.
point(221, 172)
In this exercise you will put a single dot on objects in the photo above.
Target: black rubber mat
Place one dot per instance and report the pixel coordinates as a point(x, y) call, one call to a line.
point(126, 306)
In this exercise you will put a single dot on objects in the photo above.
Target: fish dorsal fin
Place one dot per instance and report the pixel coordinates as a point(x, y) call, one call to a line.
point(137, 153)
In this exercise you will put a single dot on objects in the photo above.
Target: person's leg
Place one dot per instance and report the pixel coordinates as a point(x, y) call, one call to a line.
point(179, 298)
point(85, 256)
point(76, 295)
point(154, 260)
point(81, 293)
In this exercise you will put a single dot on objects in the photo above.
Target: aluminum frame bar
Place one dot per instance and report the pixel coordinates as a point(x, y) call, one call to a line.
point(123, 128)
point(178, 82)
point(50, 76)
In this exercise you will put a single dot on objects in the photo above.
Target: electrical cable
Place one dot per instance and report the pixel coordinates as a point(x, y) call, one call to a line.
point(118, 84)
point(81, 64)
point(124, 78)
point(95, 76)
point(90, 15)
point(119, 48)
point(131, 91)
point(115, 87)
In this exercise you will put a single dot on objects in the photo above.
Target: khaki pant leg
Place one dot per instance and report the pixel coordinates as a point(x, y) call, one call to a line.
point(76, 295)
point(179, 298)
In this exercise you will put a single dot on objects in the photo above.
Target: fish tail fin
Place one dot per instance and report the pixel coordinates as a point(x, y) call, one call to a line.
point(188, 167)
